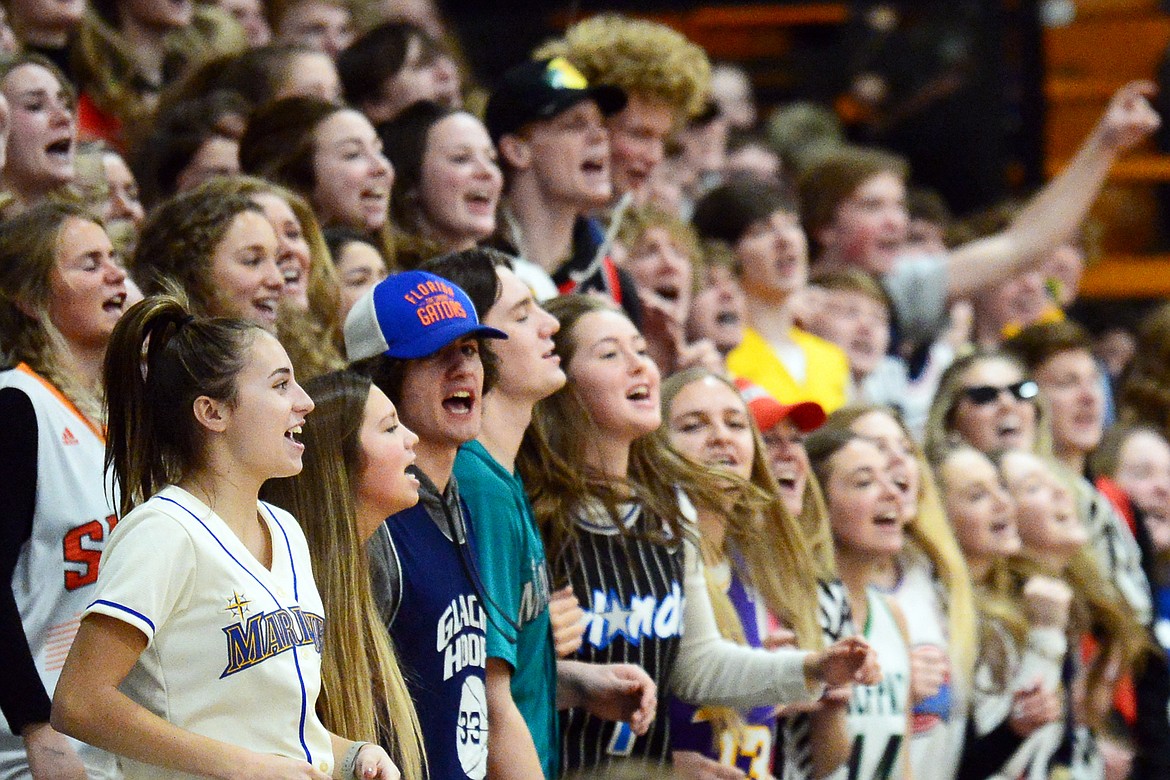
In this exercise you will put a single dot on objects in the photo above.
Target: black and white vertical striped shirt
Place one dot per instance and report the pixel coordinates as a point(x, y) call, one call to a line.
point(631, 590)
point(794, 747)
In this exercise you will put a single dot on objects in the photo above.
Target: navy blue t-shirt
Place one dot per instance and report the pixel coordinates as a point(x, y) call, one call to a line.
point(438, 632)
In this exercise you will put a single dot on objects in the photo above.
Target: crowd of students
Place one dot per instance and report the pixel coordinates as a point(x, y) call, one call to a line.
point(359, 421)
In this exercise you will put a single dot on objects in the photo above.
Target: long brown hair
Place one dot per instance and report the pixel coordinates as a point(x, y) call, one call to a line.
point(160, 359)
point(280, 144)
point(179, 238)
point(363, 694)
point(560, 484)
point(28, 255)
point(314, 337)
point(930, 533)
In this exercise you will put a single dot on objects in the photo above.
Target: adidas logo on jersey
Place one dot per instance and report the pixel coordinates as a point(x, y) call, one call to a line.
point(67, 438)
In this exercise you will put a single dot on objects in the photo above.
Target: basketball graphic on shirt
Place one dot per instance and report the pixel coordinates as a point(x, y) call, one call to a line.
point(471, 738)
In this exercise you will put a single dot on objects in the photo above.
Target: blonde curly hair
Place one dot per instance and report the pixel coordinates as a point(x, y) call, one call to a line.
point(641, 57)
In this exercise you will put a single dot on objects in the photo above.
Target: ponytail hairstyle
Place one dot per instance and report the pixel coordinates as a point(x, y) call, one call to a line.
point(28, 257)
point(363, 694)
point(160, 359)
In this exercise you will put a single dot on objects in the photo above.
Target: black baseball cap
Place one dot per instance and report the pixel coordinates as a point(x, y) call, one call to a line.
point(541, 90)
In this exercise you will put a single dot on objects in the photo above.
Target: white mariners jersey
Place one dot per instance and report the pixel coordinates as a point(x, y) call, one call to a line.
point(233, 648)
point(58, 566)
point(877, 713)
point(938, 724)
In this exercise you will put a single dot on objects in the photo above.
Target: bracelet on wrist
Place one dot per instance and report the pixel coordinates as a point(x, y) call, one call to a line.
point(348, 764)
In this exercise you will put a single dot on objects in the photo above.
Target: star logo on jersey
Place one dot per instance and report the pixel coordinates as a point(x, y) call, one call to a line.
point(238, 605)
point(68, 439)
point(616, 619)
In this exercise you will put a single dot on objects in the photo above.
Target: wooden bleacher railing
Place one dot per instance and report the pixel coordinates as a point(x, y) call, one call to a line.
point(1109, 43)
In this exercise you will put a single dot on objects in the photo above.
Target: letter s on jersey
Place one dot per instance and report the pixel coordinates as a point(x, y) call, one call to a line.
point(82, 551)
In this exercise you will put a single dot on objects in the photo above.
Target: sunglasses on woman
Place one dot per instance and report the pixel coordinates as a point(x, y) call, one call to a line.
point(981, 395)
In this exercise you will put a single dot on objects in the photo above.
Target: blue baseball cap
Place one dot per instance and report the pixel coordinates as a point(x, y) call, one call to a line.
point(411, 315)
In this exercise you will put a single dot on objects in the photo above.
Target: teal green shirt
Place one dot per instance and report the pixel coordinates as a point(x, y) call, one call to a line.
point(514, 572)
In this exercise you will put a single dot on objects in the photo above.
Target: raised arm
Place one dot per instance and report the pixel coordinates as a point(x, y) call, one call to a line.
point(1055, 212)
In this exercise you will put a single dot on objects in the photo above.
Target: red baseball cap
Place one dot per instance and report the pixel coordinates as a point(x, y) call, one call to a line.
point(768, 412)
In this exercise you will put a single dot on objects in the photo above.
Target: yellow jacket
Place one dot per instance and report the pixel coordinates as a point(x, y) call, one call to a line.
point(826, 375)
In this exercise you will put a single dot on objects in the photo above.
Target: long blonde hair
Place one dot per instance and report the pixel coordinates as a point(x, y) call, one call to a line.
point(1097, 609)
point(776, 558)
point(363, 695)
point(930, 533)
point(814, 524)
point(998, 602)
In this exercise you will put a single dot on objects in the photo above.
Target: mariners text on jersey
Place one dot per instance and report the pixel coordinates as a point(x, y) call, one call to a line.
point(461, 649)
point(536, 593)
point(269, 634)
